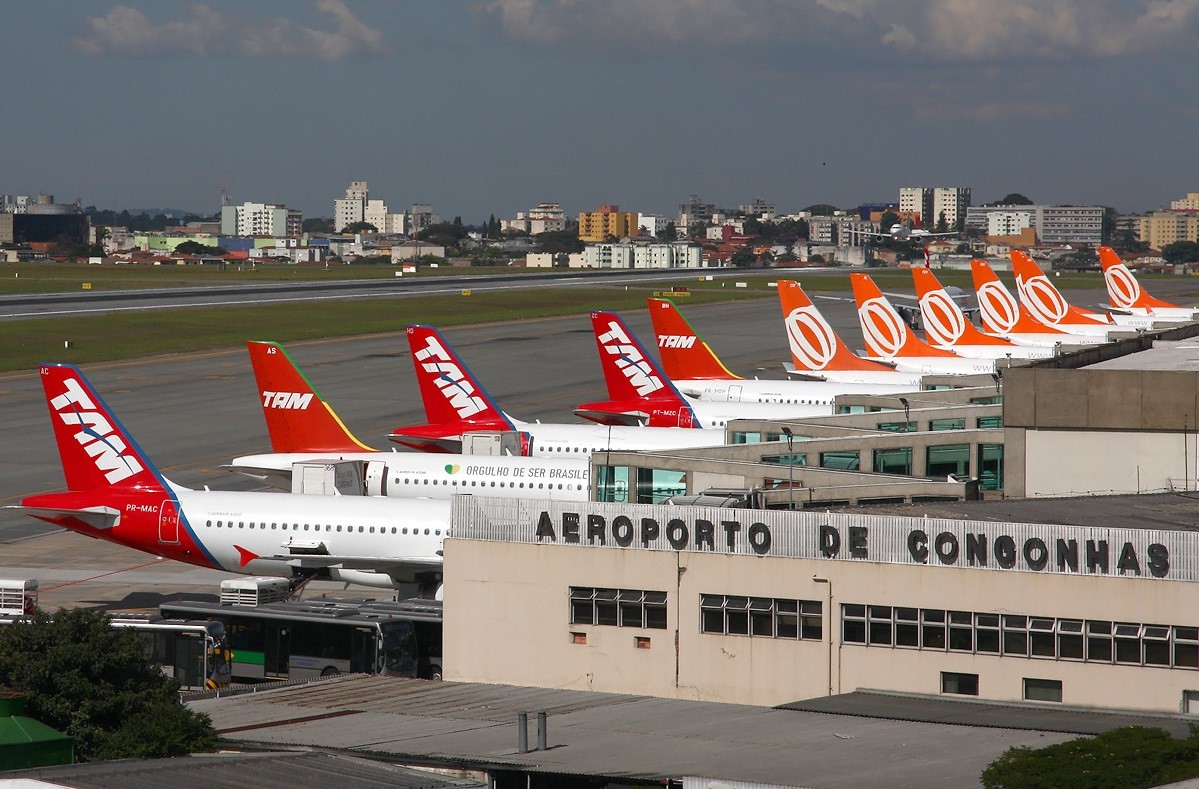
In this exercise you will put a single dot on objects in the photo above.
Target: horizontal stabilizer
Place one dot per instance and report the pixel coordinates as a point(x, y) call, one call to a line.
point(96, 517)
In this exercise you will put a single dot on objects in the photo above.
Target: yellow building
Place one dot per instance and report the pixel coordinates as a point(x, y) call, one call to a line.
point(607, 221)
point(1165, 227)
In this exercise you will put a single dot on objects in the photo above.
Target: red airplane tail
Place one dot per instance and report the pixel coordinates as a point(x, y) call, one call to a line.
point(1123, 290)
point(96, 449)
point(883, 330)
point(815, 347)
point(298, 419)
point(685, 356)
point(998, 308)
point(1044, 300)
point(455, 402)
point(638, 390)
point(945, 324)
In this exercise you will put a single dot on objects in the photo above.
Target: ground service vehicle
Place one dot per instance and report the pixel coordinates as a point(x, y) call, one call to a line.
point(195, 653)
point(303, 639)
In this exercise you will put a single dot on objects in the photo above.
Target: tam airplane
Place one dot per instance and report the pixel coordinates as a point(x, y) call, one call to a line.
point(1126, 295)
point(948, 328)
point(115, 493)
point(303, 427)
point(696, 370)
point(1003, 316)
point(640, 391)
point(1050, 307)
point(887, 337)
point(456, 403)
point(817, 350)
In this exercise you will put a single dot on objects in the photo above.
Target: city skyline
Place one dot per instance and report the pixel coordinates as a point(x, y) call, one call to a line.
point(483, 108)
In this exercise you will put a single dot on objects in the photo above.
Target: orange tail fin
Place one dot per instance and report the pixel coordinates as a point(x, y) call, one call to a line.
point(1044, 300)
point(815, 347)
point(1123, 290)
point(685, 356)
point(1000, 312)
point(945, 324)
point(883, 330)
point(297, 418)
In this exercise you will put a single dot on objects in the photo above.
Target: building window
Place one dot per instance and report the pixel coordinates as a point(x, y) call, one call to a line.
point(847, 461)
point(893, 461)
point(761, 616)
point(1042, 689)
point(617, 607)
point(946, 460)
point(656, 484)
point(990, 466)
point(793, 459)
point(989, 421)
point(612, 483)
point(897, 427)
point(961, 684)
point(947, 424)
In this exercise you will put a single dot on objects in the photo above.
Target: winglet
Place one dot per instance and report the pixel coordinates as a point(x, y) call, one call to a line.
point(1044, 300)
point(298, 419)
point(883, 330)
point(685, 356)
point(945, 325)
point(815, 347)
point(95, 448)
point(1123, 290)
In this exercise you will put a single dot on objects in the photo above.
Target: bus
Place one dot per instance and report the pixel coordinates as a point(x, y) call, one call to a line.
point(302, 639)
point(195, 653)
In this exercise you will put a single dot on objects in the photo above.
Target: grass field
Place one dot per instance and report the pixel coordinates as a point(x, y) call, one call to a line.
point(131, 335)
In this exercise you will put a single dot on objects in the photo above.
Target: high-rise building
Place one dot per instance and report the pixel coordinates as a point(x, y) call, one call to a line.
point(607, 221)
point(261, 219)
point(936, 203)
point(352, 208)
point(1188, 203)
point(1166, 227)
point(545, 218)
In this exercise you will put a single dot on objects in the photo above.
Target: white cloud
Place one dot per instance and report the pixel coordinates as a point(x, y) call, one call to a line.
point(127, 32)
point(940, 30)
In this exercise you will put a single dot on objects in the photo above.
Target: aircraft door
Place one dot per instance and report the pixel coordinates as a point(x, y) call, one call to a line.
point(734, 395)
point(168, 523)
point(376, 478)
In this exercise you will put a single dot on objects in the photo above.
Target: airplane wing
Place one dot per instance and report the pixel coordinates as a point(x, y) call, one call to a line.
point(375, 564)
point(96, 517)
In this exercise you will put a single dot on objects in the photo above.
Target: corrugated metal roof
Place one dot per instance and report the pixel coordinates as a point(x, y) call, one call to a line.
point(613, 735)
point(234, 771)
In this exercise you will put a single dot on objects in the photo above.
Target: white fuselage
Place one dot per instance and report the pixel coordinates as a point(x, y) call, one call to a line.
point(437, 476)
point(1163, 314)
point(996, 352)
point(373, 533)
point(563, 440)
point(902, 378)
point(1049, 340)
point(816, 396)
point(939, 365)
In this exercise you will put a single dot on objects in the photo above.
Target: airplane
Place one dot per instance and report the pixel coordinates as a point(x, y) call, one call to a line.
point(1048, 305)
point(696, 370)
point(817, 351)
point(901, 232)
point(303, 427)
point(1126, 295)
point(948, 328)
point(115, 493)
point(640, 392)
point(456, 403)
point(1003, 316)
point(887, 336)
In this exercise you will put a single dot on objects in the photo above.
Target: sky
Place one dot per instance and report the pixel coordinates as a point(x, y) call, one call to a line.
point(493, 106)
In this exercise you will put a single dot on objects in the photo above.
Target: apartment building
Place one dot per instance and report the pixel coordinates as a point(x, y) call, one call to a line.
point(607, 221)
point(261, 219)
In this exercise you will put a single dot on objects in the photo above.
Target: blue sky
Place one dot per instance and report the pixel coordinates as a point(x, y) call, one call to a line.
point(494, 106)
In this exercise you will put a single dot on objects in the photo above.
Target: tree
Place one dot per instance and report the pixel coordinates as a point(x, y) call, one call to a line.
point(94, 683)
point(821, 209)
point(1181, 252)
point(743, 258)
point(1132, 756)
point(557, 241)
point(888, 220)
point(318, 225)
point(1014, 198)
point(942, 224)
point(196, 248)
point(360, 227)
point(671, 233)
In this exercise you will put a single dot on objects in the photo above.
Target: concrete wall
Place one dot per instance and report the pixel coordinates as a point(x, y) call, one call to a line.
point(507, 620)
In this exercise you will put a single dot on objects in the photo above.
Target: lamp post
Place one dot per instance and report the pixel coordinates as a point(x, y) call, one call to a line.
point(907, 425)
point(790, 464)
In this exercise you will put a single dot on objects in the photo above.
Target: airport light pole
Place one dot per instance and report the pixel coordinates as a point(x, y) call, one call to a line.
point(907, 424)
point(790, 464)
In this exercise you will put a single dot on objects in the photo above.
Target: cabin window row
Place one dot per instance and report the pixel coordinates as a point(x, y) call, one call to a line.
point(223, 524)
point(761, 616)
point(1049, 638)
point(475, 483)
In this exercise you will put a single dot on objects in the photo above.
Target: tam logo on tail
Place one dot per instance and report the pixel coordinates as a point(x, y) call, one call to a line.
point(96, 435)
point(1122, 286)
point(675, 341)
point(451, 381)
point(812, 340)
point(288, 401)
point(628, 359)
point(943, 320)
point(882, 328)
